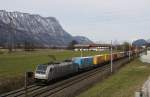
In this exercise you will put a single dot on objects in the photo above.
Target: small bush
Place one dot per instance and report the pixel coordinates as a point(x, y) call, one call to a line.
point(1, 52)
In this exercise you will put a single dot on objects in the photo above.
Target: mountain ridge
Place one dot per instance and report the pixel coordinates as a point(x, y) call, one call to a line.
point(140, 42)
point(42, 31)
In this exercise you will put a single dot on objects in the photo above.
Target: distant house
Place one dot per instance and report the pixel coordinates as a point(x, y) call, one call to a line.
point(91, 47)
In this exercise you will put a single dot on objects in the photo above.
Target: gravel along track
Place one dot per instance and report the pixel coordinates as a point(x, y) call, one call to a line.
point(69, 87)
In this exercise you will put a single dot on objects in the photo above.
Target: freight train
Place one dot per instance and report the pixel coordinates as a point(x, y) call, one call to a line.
point(52, 71)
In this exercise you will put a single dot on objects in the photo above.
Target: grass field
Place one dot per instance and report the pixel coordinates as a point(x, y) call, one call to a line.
point(16, 63)
point(122, 84)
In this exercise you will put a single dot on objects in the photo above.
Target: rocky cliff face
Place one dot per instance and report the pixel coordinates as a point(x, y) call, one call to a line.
point(19, 27)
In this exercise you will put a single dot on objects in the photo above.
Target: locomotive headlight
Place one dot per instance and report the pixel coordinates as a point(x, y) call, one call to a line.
point(40, 76)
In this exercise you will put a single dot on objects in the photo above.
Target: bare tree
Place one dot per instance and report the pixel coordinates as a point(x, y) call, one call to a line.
point(29, 46)
point(10, 36)
point(71, 44)
point(126, 46)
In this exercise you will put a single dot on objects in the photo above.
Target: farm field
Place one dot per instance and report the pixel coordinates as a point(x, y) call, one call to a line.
point(123, 83)
point(16, 63)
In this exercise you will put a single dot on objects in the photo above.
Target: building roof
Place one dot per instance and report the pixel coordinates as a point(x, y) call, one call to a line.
point(91, 45)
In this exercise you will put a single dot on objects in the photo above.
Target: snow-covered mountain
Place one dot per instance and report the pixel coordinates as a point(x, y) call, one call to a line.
point(20, 27)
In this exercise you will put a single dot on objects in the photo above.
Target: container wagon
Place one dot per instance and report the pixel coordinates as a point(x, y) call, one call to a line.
point(98, 59)
point(83, 62)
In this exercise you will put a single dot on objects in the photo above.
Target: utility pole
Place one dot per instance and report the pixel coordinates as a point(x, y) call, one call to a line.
point(129, 52)
point(81, 52)
point(111, 63)
point(26, 84)
point(28, 77)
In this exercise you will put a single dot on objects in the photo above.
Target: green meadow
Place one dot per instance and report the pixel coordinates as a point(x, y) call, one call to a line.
point(16, 63)
point(124, 83)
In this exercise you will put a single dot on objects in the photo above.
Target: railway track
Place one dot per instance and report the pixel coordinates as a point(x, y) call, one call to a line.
point(45, 91)
point(51, 92)
point(19, 92)
point(73, 81)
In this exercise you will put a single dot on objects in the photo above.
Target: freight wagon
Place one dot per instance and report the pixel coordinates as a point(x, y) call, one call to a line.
point(107, 57)
point(83, 62)
point(98, 59)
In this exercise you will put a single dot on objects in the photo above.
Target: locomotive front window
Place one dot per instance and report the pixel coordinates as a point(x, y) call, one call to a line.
point(40, 72)
point(41, 69)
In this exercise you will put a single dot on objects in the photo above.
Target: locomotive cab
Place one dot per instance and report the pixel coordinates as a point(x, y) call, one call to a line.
point(44, 72)
point(41, 72)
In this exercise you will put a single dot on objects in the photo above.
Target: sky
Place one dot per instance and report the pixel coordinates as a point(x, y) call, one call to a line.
point(99, 20)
